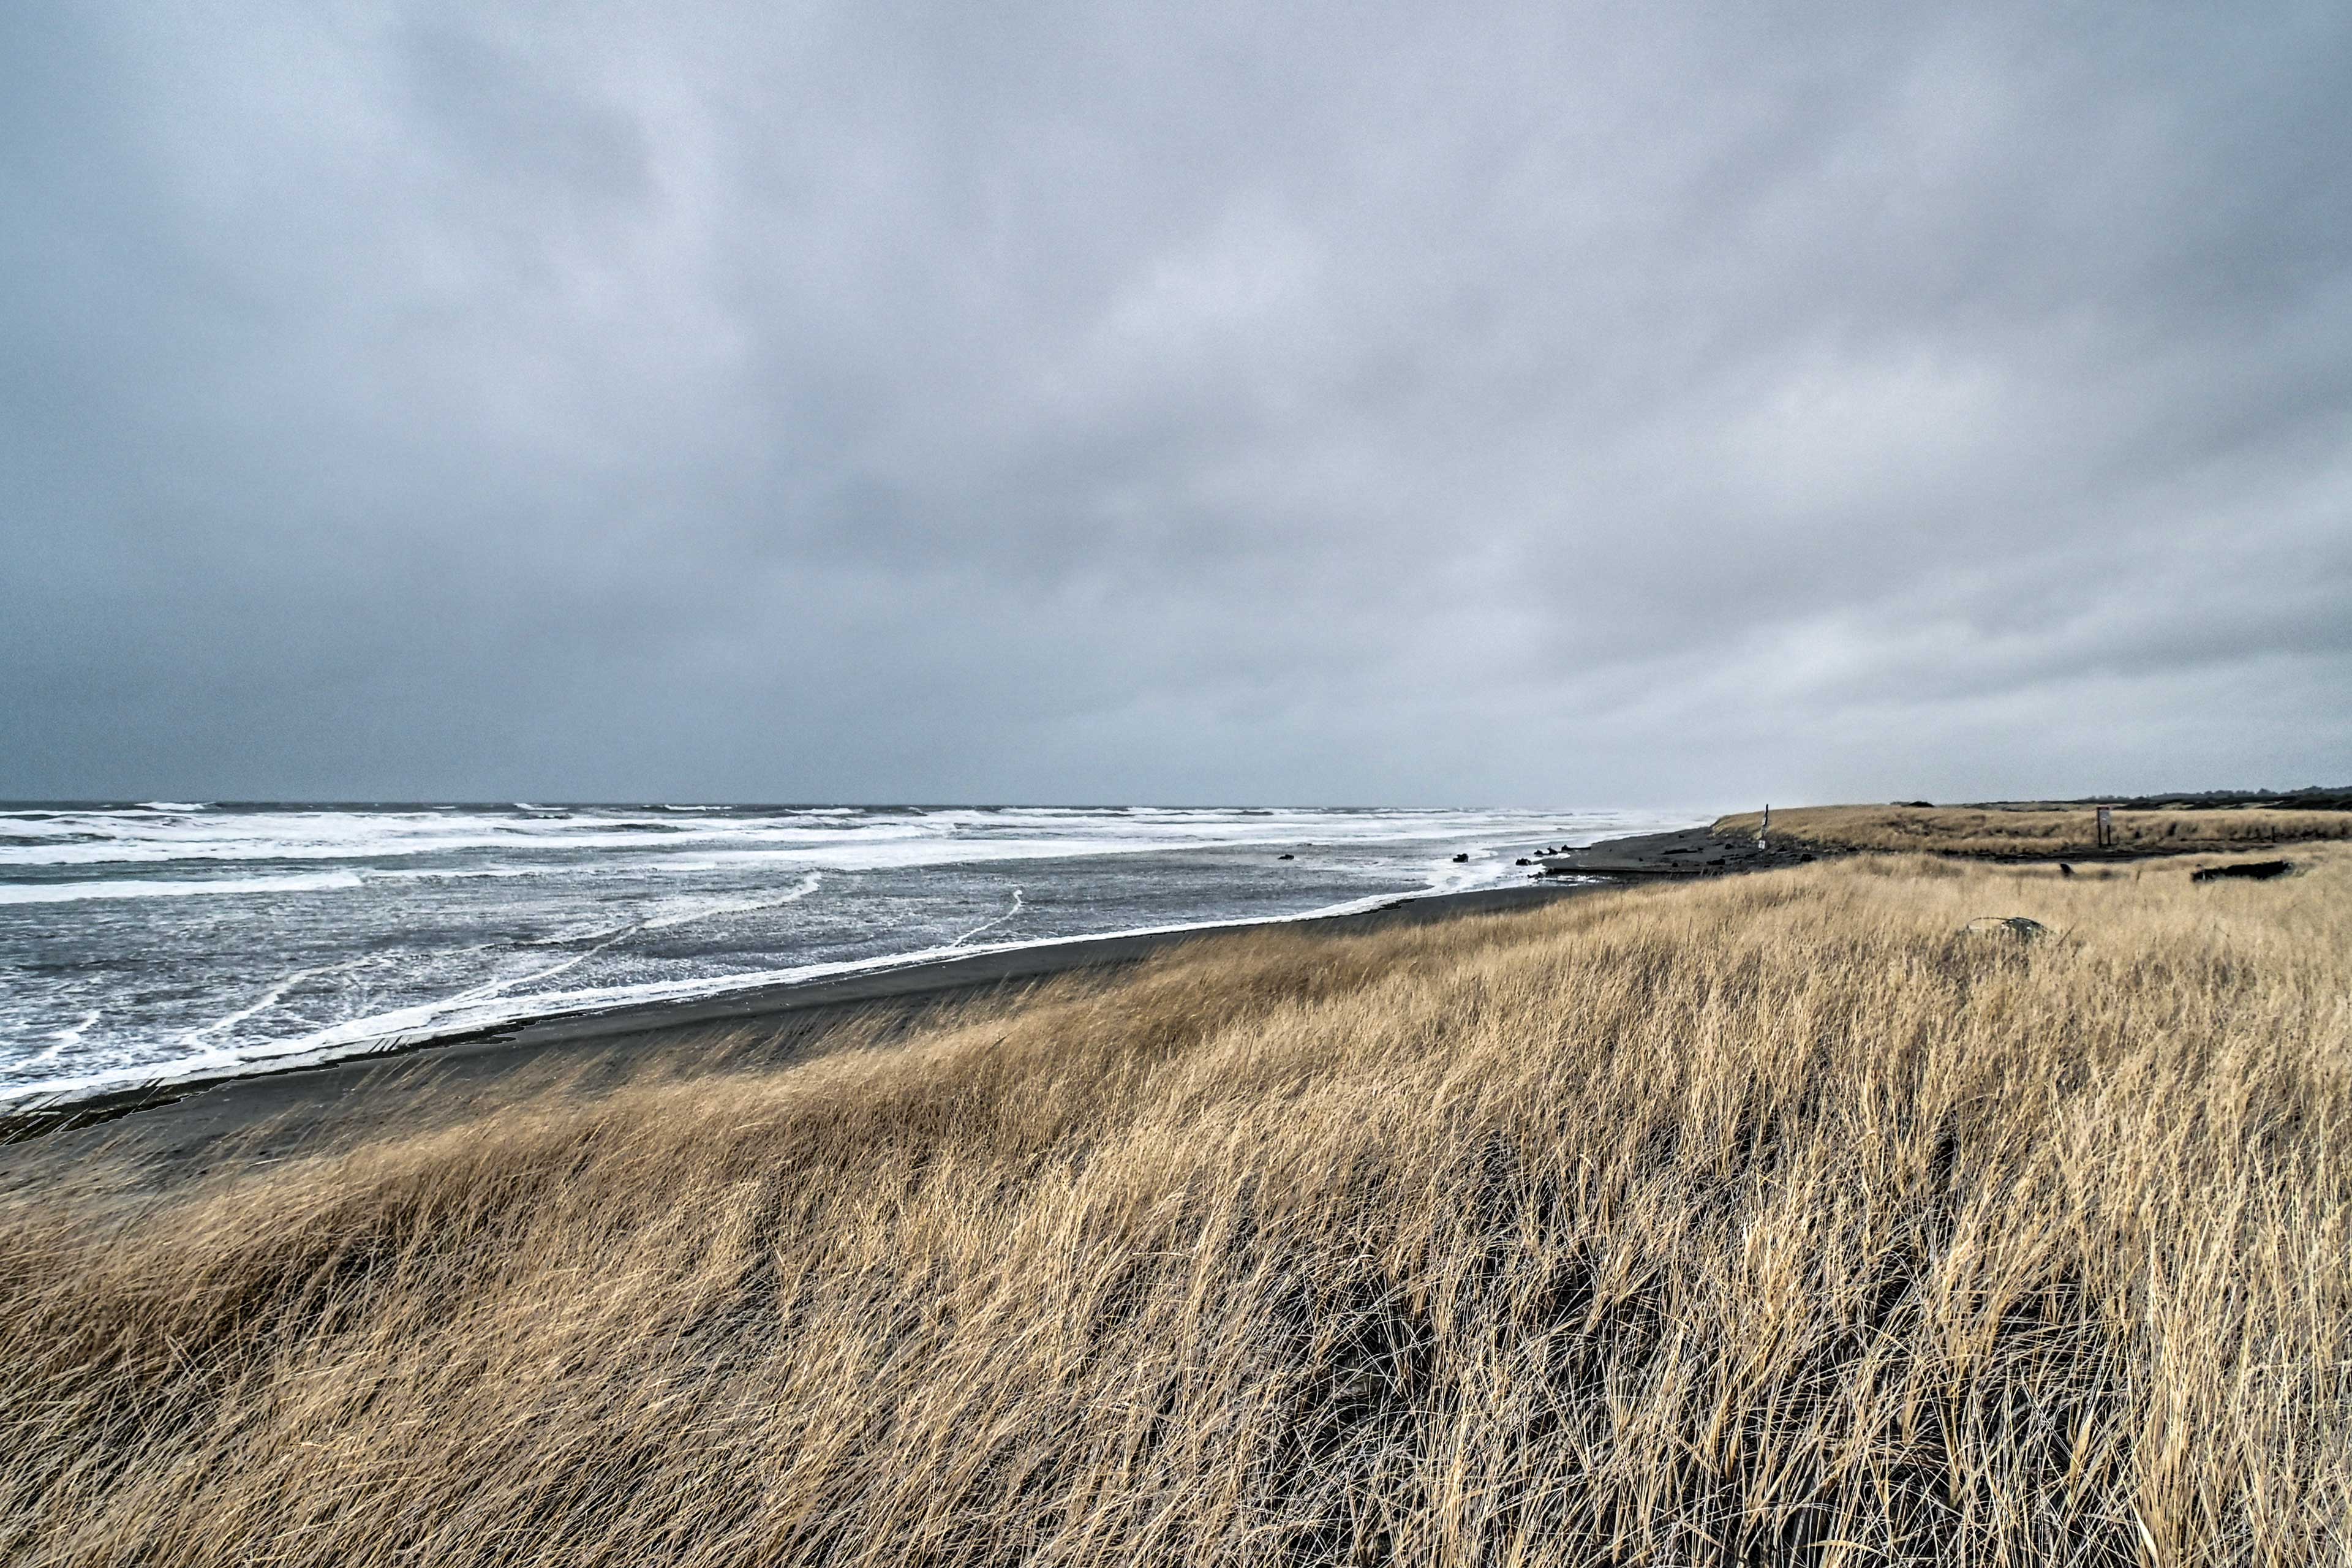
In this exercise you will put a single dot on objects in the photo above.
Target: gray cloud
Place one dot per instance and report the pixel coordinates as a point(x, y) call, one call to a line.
point(1172, 402)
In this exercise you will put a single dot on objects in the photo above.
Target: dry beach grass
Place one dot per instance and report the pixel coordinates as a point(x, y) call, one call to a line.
point(2039, 831)
point(1760, 1219)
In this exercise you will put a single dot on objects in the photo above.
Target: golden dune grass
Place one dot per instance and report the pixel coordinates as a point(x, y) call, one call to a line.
point(2055, 830)
point(1766, 1219)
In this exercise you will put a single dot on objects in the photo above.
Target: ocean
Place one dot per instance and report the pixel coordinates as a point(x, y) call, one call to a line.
point(169, 939)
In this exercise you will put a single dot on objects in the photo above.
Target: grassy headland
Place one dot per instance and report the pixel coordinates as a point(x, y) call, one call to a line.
point(2039, 830)
point(1738, 1220)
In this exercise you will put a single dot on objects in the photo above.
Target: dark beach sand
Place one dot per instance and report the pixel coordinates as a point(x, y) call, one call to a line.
point(1686, 852)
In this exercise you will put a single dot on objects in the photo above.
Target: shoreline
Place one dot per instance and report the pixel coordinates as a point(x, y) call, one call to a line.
point(915, 981)
point(169, 1116)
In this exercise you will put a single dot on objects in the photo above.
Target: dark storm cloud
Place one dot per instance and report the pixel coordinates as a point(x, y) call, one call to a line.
point(867, 401)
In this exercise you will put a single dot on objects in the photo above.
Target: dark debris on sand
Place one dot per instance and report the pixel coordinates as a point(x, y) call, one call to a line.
point(1690, 852)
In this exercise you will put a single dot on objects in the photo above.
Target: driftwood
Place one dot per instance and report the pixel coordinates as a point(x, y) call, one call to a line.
point(2015, 926)
point(2253, 870)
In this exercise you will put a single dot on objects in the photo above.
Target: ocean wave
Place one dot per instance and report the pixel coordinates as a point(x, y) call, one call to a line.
point(456, 873)
point(79, 892)
point(100, 838)
point(825, 836)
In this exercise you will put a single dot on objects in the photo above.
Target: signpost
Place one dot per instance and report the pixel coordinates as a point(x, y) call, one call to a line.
point(2107, 836)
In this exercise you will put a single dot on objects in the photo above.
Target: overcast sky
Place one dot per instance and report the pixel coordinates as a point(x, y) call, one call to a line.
point(1174, 402)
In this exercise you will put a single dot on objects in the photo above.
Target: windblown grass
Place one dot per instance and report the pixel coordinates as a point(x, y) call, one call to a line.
point(1757, 1220)
point(2053, 831)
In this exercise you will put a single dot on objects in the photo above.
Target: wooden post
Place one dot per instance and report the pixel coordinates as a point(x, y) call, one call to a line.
point(1764, 829)
point(2107, 833)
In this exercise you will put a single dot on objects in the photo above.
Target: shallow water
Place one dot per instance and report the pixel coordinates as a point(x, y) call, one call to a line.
point(158, 938)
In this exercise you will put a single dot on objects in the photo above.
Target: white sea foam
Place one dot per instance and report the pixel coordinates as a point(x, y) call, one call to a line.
point(102, 838)
point(77, 892)
point(274, 994)
point(64, 1039)
point(991, 925)
point(455, 873)
point(685, 912)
